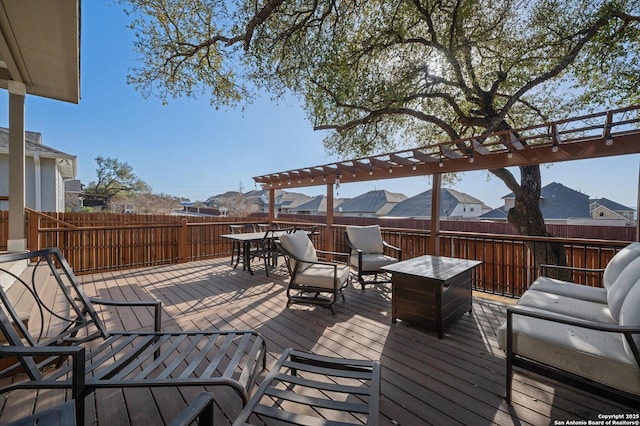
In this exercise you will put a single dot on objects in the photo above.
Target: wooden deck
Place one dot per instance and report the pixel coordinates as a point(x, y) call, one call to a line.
point(456, 380)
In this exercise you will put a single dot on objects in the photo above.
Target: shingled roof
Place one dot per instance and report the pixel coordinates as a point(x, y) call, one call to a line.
point(420, 205)
point(556, 202)
point(370, 202)
point(611, 205)
point(33, 146)
point(318, 204)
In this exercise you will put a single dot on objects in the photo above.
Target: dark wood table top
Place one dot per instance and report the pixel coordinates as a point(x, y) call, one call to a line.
point(436, 267)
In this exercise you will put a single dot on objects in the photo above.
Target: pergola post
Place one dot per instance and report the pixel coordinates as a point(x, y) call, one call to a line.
point(272, 205)
point(17, 240)
point(329, 234)
point(434, 223)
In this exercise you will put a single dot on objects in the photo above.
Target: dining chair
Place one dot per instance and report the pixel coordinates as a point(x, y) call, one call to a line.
point(236, 249)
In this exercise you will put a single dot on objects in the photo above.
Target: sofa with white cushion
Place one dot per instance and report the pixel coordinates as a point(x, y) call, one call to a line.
point(584, 336)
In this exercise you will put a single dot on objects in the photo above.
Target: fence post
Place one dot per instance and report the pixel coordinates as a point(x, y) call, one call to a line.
point(183, 242)
point(34, 224)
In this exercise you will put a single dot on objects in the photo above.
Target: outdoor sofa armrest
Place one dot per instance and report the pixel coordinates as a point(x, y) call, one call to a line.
point(627, 331)
point(544, 267)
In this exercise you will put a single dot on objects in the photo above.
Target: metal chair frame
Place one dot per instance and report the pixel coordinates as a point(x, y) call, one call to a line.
point(82, 355)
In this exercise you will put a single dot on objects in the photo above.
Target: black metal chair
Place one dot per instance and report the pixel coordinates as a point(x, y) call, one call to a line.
point(312, 281)
point(236, 249)
point(83, 355)
point(200, 410)
point(267, 249)
point(368, 253)
point(341, 392)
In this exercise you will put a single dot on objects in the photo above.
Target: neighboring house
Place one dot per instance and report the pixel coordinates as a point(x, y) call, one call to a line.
point(73, 199)
point(46, 170)
point(284, 200)
point(602, 208)
point(370, 204)
point(562, 205)
point(317, 206)
point(453, 205)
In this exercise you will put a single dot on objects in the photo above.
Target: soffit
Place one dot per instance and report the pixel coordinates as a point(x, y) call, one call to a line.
point(40, 47)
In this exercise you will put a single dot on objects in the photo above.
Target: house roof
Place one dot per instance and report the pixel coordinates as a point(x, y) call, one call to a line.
point(559, 202)
point(611, 205)
point(420, 205)
point(318, 204)
point(496, 214)
point(33, 146)
point(40, 47)
point(73, 185)
point(370, 202)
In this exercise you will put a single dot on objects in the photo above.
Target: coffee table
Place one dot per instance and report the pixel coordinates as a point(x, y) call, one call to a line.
point(431, 292)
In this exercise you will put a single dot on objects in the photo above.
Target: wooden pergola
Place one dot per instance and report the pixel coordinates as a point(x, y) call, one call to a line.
point(605, 134)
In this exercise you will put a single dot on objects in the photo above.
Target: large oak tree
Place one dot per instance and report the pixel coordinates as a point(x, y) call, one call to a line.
point(115, 178)
point(385, 74)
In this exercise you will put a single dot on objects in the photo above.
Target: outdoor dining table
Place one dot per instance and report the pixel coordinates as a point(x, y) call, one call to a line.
point(246, 239)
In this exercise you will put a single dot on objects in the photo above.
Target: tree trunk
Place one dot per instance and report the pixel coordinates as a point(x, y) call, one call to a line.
point(527, 218)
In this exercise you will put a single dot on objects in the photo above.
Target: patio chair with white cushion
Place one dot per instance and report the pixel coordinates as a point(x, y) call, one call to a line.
point(368, 253)
point(313, 281)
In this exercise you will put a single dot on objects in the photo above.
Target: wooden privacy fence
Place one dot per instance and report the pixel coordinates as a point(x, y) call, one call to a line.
point(131, 241)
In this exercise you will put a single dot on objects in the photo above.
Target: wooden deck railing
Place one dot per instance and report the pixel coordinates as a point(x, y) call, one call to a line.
point(128, 241)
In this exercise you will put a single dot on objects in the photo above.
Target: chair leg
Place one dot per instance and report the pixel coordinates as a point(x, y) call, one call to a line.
point(361, 280)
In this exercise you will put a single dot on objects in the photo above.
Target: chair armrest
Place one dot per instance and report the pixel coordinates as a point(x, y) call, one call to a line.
point(156, 304)
point(544, 267)
point(201, 409)
point(527, 311)
point(334, 253)
point(77, 354)
point(396, 249)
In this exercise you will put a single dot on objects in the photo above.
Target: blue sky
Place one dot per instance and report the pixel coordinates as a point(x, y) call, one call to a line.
point(188, 148)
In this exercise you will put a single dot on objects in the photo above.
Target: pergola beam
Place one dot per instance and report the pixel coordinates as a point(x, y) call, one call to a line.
point(606, 134)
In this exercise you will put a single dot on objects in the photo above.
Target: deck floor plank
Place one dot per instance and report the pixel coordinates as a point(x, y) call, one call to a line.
point(457, 380)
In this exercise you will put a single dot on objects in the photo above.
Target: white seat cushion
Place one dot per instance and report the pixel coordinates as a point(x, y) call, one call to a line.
point(569, 306)
point(618, 263)
point(630, 314)
point(299, 245)
point(321, 276)
point(599, 356)
point(366, 238)
point(569, 289)
point(617, 292)
point(372, 262)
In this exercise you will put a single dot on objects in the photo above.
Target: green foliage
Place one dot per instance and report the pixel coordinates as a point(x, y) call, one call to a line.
point(380, 74)
point(184, 51)
point(114, 177)
point(377, 75)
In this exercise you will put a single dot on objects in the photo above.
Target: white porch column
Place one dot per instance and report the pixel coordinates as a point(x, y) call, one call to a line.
point(37, 182)
point(17, 236)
